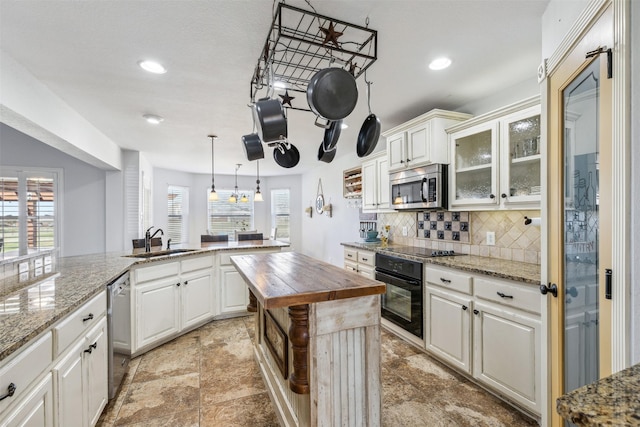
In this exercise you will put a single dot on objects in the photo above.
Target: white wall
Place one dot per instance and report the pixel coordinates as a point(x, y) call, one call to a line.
point(198, 185)
point(83, 209)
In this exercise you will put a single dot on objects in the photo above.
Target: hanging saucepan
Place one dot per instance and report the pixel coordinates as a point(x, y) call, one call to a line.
point(331, 135)
point(326, 155)
point(328, 148)
point(272, 123)
point(286, 155)
point(332, 94)
point(370, 130)
point(252, 147)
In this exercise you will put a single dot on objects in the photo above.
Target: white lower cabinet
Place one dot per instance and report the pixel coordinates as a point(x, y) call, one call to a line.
point(507, 353)
point(448, 326)
point(157, 311)
point(234, 294)
point(170, 298)
point(360, 261)
point(488, 328)
point(35, 410)
point(80, 380)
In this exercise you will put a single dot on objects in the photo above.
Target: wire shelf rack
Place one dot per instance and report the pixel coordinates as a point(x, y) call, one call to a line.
point(300, 43)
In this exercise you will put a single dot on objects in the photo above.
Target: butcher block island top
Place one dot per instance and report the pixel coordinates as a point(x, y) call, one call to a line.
point(317, 339)
point(289, 278)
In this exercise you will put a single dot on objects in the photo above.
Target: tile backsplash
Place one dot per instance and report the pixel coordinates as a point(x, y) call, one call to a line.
point(465, 232)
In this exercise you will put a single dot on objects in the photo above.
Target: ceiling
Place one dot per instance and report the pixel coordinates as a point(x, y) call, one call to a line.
point(86, 52)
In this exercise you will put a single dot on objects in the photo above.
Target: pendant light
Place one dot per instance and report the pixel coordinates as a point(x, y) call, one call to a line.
point(213, 196)
point(258, 196)
point(234, 197)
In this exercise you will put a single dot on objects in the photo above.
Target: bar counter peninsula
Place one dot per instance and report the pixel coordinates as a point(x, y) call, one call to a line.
point(317, 338)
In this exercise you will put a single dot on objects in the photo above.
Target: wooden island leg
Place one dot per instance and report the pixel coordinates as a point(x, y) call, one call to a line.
point(299, 336)
point(252, 307)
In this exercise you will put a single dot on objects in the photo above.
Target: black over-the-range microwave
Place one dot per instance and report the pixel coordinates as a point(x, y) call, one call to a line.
point(419, 188)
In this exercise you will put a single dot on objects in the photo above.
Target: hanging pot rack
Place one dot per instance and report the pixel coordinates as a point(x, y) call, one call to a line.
point(300, 43)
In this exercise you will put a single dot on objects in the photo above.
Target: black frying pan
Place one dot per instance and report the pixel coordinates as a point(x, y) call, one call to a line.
point(370, 130)
point(332, 93)
point(286, 155)
point(252, 147)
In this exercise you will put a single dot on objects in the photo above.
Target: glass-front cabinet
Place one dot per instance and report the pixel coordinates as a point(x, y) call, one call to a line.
point(496, 159)
point(475, 175)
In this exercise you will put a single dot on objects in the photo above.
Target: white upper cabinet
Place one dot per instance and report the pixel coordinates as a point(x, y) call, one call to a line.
point(495, 159)
point(421, 141)
point(375, 185)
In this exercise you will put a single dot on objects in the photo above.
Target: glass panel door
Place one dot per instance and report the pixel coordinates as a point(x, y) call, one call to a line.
point(524, 157)
point(474, 165)
point(581, 99)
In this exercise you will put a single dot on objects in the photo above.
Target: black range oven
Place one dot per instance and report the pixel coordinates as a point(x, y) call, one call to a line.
point(402, 303)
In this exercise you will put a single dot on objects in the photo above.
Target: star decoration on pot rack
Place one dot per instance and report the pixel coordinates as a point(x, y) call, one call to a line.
point(352, 68)
point(286, 99)
point(330, 35)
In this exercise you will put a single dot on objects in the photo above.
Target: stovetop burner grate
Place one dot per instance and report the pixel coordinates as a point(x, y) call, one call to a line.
point(421, 252)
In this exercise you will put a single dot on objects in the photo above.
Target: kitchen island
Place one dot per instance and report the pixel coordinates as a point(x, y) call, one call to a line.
point(317, 338)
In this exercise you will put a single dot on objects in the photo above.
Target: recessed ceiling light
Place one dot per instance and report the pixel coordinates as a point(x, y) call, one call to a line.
point(440, 63)
point(152, 67)
point(153, 119)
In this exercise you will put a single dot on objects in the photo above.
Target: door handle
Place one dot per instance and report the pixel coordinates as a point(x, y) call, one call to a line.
point(608, 275)
point(550, 288)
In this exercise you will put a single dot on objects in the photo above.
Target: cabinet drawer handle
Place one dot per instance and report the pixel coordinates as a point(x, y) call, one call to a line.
point(476, 312)
point(501, 295)
point(464, 307)
point(89, 317)
point(365, 259)
point(91, 348)
point(10, 391)
point(443, 280)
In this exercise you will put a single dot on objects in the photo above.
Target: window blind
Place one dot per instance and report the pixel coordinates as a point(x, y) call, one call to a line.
point(177, 209)
point(225, 217)
point(280, 212)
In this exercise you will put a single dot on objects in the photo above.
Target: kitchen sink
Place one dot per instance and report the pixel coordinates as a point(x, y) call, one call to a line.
point(160, 253)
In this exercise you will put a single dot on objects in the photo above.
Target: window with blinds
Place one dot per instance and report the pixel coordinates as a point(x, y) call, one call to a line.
point(178, 214)
point(28, 212)
point(225, 217)
point(280, 213)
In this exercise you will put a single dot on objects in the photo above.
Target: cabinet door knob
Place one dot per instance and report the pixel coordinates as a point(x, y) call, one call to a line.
point(464, 307)
point(10, 391)
point(504, 196)
point(401, 161)
point(186, 282)
point(476, 312)
point(550, 288)
point(178, 284)
point(492, 196)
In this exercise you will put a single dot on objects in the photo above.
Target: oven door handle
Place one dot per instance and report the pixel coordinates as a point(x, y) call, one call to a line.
point(408, 284)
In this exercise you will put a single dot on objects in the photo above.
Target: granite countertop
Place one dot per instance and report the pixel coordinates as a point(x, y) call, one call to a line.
point(504, 269)
point(29, 308)
point(288, 278)
point(614, 400)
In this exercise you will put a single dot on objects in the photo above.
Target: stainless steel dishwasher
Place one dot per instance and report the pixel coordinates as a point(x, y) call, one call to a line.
point(119, 330)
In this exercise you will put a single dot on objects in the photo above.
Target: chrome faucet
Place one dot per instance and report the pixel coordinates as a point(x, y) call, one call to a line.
point(148, 236)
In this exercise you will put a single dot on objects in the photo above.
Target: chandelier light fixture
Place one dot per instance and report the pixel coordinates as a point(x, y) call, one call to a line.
point(213, 196)
point(235, 196)
point(258, 196)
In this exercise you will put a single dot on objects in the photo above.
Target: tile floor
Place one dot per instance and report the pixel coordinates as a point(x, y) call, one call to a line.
point(208, 377)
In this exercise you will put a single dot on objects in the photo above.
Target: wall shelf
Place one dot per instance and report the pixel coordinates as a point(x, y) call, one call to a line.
point(352, 179)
